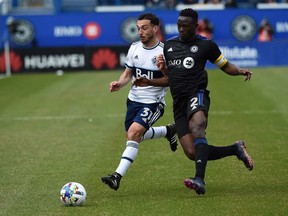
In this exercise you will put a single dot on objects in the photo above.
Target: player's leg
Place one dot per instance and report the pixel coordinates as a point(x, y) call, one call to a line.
point(186, 139)
point(167, 132)
point(237, 149)
point(197, 125)
point(139, 118)
point(134, 135)
point(134, 132)
point(197, 107)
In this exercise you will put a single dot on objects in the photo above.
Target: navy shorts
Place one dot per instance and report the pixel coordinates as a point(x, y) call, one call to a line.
point(183, 109)
point(144, 114)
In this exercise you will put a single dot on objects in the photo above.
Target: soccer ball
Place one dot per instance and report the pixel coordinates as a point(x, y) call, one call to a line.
point(73, 194)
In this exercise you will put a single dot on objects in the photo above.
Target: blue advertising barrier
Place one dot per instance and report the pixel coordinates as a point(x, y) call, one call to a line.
point(235, 30)
point(254, 54)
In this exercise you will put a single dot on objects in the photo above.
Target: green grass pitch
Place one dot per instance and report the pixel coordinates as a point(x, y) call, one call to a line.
point(56, 129)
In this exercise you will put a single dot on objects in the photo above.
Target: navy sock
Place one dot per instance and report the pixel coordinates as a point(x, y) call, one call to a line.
point(218, 152)
point(201, 156)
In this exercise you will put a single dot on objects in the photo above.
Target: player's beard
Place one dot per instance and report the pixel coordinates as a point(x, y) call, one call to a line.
point(147, 40)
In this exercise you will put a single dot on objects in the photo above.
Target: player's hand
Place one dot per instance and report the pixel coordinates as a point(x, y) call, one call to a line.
point(160, 62)
point(115, 86)
point(141, 81)
point(247, 73)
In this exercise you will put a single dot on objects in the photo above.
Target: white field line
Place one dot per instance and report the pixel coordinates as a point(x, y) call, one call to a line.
point(117, 115)
point(37, 118)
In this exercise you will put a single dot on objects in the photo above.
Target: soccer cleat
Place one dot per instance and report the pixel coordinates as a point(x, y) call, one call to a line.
point(171, 136)
point(113, 181)
point(243, 155)
point(196, 184)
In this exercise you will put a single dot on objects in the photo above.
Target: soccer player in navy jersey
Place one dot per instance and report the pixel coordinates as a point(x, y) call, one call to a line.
point(145, 105)
point(184, 61)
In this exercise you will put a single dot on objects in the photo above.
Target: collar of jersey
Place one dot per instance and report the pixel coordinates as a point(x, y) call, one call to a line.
point(149, 48)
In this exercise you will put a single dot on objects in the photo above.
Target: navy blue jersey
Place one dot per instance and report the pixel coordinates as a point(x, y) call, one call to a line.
point(186, 64)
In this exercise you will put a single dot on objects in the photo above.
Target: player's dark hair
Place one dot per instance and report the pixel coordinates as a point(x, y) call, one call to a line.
point(149, 16)
point(189, 12)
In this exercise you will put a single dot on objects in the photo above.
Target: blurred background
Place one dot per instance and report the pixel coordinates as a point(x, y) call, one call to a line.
point(90, 35)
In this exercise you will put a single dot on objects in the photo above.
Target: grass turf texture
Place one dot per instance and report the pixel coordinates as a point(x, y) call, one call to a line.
point(56, 129)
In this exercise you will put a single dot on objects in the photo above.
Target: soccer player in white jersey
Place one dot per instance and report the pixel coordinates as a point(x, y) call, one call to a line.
point(145, 105)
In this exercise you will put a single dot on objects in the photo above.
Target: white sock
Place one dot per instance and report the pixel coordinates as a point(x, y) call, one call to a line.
point(128, 156)
point(155, 133)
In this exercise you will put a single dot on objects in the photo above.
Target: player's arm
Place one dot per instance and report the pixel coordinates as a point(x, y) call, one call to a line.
point(163, 81)
point(142, 81)
point(125, 77)
point(161, 64)
point(231, 69)
point(234, 70)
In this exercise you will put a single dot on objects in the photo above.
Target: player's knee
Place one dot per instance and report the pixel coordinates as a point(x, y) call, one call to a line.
point(135, 135)
point(198, 132)
point(198, 129)
point(197, 125)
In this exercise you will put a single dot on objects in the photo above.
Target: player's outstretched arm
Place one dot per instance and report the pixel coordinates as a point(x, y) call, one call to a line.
point(234, 70)
point(125, 77)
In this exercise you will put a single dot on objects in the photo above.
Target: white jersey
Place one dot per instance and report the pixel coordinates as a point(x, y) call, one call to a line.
point(142, 61)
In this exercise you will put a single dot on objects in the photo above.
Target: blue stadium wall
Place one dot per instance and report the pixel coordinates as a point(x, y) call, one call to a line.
point(97, 41)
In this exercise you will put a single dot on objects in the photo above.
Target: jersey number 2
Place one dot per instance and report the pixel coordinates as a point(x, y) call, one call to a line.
point(194, 103)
